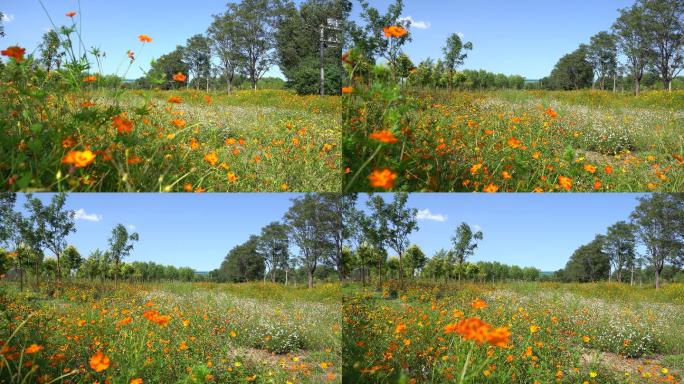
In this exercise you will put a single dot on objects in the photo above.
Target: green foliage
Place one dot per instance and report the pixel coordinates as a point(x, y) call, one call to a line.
point(589, 263)
point(243, 263)
point(573, 71)
point(163, 69)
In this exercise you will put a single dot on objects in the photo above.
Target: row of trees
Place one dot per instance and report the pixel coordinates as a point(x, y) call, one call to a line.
point(312, 226)
point(26, 237)
point(250, 38)
point(648, 36)
point(656, 225)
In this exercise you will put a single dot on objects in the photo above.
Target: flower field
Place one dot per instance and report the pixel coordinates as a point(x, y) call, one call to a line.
point(101, 140)
point(514, 333)
point(512, 141)
point(171, 333)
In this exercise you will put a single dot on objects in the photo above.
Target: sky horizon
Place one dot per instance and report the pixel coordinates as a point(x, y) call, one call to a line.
point(114, 27)
point(524, 37)
point(528, 230)
point(184, 230)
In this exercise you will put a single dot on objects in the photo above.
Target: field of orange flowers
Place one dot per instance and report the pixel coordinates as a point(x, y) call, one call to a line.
point(512, 141)
point(170, 333)
point(513, 333)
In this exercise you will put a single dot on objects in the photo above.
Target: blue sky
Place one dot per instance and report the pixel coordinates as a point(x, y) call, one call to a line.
point(524, 37)
point(536, 230)
point(114, 26)
point(194, 230)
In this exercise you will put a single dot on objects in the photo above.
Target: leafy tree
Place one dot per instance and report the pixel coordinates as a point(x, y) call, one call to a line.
point(166, 66)
point(455, 54)
point(665, 21)
point(197, 54)
point(588, 263)
point(223, 36)
point(72, 258)
point(620, 244)
point(396, 221)
point(256, 23)
point(7, 227)
point(573, 71)
point(307, 230)
point(366, 257)
point(602, 55)
point(5, 262)
point(370, 38)
point(337, 210)
point(415, 258)
point(243, 263)
point(465, 244)
point(51, 224)
point(659, 222)
point(49, 50)
point(2, 27)
point(120, 246)
point(631, 29)
point(274, 246)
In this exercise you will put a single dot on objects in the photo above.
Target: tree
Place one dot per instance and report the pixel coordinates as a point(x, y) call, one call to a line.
point(72, 258)
point(370, 39)
point(631, 30)
point(396, 221)
point(337, 211)
point(7, 227)
point(197, 54)
point(223, 35)
point(620, 244)
point(166, 66)
point(455, 54)
point(415, 258)
point(659, 222)
point(602, 55)
point(665, 21)
point(465, 244)
point(120, 246)
point(2, 27)
point(49, 50)
point(243, 263)
point(256, 24)
point(308, 231)
point(573, 71)
point(52, 224)
point(588, 263)
point(274, 246)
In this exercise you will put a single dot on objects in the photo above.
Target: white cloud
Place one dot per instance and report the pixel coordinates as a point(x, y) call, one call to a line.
point(425, 214)
point(7, 18)
point(131, 227)
point(416, 24)
point(82, 215)
point(477, 228)
point(460, 34)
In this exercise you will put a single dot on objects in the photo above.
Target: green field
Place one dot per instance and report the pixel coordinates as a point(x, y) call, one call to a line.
point(89, 332)
point(565, 333)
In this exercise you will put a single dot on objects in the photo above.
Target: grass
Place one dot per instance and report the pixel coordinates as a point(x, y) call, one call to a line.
point(214, 333)
point(566, 333)
point(513, 141)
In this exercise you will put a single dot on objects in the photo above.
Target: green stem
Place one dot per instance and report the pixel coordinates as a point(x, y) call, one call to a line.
point(356, 175)
point(467, 362)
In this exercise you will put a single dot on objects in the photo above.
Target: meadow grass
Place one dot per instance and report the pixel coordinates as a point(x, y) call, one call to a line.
point(513, 141)
point(173, 332)
point(565, 333)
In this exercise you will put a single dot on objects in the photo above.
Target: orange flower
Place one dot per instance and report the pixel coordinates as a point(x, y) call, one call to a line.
point(347, 90)
point(79, 159)
point(345, 58)
point(565, 182)
point(99, 361)
point(71, 14)
point(499, 337)
point(608, 169)
point(33, 348)
point(395, 31)
point(187, 187)
point(506, 175)
point(90, 79)
point(207, 99)
point(589, 168)
point(284, 187)
point(125, 321)
point(514, 143)
point(145, 39)
point(475, 168)
point(178, 123)
point(15, 52)
point(551, 113)
point(401, 328)
point(137, 381)
point(491, 188)
point(383, 178)
point(597, 185)
point(211, 158)
point(478, 304)
point(385, 136)
point(175, 99)
point(179, 77)
point(156, 317)
point(122, 124)
point(480, 332)
point(232, 177)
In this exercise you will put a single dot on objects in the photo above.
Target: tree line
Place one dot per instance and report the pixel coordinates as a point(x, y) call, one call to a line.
point(656, 224)
point(646, 41)
point(312, 226)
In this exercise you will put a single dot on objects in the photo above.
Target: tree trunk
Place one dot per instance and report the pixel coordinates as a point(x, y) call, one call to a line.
point(637, 86)
point(310, 276)
point(631, 278)
point(59, 271)
point(657, 278)
point(286, 270)
point(401, 273)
